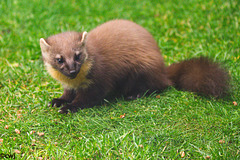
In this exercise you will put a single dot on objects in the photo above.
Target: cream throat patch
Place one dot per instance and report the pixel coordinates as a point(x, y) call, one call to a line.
point(79, 82)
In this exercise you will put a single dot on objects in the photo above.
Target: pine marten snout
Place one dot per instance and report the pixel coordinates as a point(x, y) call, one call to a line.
point(121, 56)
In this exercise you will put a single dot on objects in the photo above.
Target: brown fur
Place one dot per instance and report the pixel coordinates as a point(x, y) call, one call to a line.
point(124, 59)
point(199, 75)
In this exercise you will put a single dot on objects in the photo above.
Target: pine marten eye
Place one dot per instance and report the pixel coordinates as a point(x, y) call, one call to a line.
point(59, 60)
point(77, 56)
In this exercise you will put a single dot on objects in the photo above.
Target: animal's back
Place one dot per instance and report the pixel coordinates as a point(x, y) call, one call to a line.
point(126, 55)
point(122, 41)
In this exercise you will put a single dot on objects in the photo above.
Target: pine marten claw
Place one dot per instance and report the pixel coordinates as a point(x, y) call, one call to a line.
point(56, 102)
point(68, 108)
point(61, 111)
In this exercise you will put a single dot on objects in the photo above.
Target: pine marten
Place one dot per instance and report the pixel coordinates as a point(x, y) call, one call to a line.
point(121, 56)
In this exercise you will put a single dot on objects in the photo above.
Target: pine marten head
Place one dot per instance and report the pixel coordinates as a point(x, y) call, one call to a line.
point(66, 58)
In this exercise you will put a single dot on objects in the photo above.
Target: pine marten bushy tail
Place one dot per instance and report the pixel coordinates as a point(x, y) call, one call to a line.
point(199, 75)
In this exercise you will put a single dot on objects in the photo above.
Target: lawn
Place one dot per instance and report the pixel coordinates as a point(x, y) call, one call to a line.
point(170, 125)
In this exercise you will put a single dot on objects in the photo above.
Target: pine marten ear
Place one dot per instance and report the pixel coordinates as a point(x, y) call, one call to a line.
point(84, 37)
point(44, 47)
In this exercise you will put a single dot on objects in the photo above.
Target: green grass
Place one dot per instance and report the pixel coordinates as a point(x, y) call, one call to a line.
point(153, 128)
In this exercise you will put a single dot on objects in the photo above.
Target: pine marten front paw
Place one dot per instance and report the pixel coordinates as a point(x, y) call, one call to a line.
point(56, 102)
point(68, 108)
